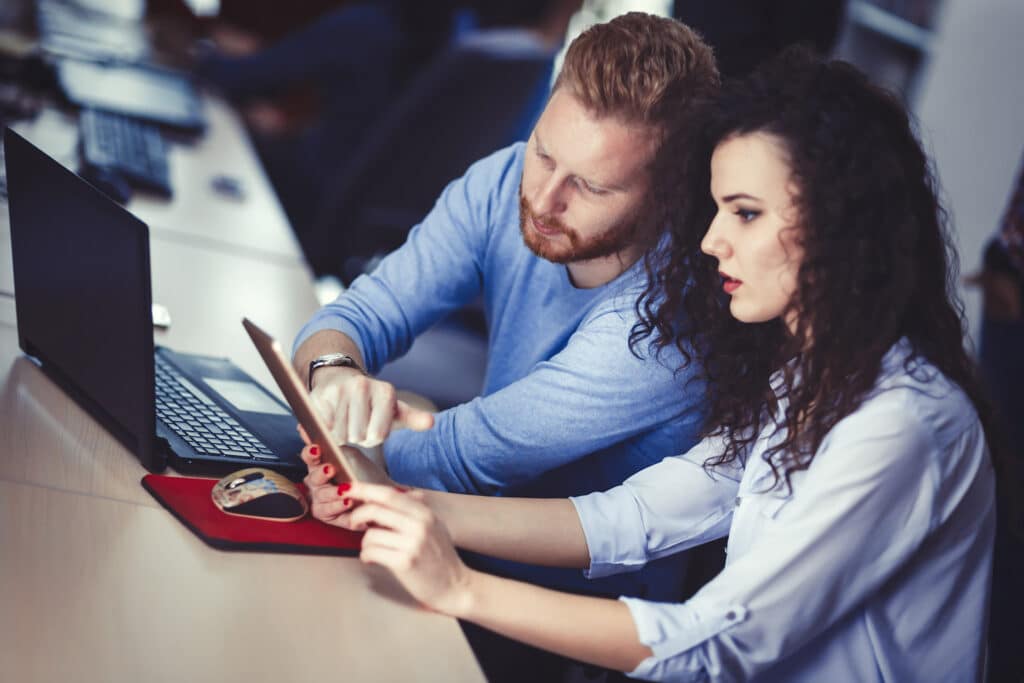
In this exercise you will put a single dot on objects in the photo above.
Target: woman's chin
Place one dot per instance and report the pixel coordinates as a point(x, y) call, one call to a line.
point(745, 314)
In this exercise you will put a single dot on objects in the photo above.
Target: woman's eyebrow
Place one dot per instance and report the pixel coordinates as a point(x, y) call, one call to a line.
point(740, 195)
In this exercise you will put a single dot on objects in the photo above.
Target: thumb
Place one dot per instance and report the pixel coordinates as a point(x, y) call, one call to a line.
point(413, 418)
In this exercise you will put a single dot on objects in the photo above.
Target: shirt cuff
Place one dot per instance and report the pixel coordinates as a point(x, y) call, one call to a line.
point(614, 531)
point(674, 633)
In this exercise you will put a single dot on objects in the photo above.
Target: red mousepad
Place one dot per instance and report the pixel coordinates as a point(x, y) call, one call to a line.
point(188, 499)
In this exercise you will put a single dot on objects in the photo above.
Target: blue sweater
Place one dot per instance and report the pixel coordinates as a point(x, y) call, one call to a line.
point(567, 409)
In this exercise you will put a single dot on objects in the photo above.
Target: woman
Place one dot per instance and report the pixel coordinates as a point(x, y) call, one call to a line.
point(843, 453)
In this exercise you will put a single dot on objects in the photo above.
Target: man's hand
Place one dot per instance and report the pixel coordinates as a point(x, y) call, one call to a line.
point(361, 410)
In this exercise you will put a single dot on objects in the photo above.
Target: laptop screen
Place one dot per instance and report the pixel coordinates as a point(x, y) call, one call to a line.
point(143, 92)
point(82, 293)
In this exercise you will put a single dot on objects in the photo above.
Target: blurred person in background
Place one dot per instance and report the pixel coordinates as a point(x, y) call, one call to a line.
point(743, 33)
point(311, 96)
point(1001, 355)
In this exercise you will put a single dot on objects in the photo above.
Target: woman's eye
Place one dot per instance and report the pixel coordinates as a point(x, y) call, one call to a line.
point(747, 215)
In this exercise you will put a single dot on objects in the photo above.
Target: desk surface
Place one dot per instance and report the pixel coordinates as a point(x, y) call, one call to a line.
point(101, 590)
point(99, 583)
point(197, 214)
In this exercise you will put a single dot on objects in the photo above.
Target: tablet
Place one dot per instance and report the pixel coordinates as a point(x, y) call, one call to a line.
point(349, 463)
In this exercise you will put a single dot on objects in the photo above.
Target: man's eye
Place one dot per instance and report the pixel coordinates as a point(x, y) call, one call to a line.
point(588, 188)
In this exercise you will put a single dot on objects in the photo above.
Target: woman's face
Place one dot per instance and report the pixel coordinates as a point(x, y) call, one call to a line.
point(753, 234)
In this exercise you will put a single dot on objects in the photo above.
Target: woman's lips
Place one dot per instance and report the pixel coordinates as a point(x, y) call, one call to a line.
point(730, 284)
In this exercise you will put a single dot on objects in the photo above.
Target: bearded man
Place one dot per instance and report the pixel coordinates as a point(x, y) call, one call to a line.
point(550, 235)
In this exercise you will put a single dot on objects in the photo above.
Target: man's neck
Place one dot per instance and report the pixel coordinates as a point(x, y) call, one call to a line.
point(601, 271)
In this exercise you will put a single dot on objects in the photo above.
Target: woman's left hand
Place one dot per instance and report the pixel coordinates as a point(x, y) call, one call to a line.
point(404, 535)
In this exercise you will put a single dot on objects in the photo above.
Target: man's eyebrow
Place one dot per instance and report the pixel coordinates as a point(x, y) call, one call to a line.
point(538, 143)
point(591, 183)
point(740, 195)
point(602, 186)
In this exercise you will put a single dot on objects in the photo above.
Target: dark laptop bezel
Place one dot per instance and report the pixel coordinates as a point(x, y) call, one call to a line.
point(142, 433)
point(139, 436)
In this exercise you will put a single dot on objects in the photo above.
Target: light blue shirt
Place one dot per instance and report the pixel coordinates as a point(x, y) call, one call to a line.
point(562, 391)
point(566, 409)
point(875, 568)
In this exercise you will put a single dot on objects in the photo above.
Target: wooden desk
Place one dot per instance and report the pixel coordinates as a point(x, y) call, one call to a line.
point(100, 590)
point(98, 583)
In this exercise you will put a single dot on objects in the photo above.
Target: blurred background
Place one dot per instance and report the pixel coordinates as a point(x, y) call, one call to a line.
point(337, 94)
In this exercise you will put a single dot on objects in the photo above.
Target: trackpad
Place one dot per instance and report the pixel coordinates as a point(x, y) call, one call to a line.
point(245, 396)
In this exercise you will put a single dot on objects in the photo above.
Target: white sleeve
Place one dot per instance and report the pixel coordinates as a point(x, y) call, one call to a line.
point(659, 511)
point(863, 509)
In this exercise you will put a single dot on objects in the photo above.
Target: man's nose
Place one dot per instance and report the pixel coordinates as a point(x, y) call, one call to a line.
point(549, 199)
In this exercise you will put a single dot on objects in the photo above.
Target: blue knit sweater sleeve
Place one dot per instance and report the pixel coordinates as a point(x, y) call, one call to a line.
point(592, 395)
point(437, 270)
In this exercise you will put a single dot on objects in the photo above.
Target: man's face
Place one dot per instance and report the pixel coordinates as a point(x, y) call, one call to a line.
point(585, 182)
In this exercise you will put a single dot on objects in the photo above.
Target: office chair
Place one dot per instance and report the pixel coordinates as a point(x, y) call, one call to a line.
point(481, 94)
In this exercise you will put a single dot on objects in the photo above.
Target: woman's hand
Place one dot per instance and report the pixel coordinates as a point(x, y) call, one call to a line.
point(324, 496)
point(404, 535)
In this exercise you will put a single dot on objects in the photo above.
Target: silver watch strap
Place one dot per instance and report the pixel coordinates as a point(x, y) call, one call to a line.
point(333, 360)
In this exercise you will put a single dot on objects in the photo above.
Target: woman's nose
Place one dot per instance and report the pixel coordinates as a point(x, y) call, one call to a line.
point(714, 243)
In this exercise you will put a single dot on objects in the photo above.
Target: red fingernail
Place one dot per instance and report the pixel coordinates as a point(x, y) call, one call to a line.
point(327, 469)
point(314, 451)
point(346, 501)
point(344, 487)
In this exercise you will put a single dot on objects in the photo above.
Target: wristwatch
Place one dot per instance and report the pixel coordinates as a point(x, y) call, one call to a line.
point(334, 360)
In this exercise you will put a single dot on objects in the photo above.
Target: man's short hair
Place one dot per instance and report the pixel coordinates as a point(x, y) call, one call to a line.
point(640, 69)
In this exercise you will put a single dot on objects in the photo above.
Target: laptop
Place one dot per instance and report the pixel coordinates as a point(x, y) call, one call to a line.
point(155, 95)
point(84, 311)
point(92, 29)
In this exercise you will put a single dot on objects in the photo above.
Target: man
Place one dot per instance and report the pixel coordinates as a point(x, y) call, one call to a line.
point(551, 234)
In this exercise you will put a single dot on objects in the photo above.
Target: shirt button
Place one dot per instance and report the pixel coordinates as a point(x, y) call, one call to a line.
point(738, 500)
point(730, 615)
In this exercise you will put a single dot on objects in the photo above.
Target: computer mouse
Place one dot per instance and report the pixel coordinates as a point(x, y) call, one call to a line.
point(259, 493)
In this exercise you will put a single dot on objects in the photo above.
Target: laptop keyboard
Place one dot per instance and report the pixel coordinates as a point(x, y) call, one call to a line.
point(127, 146)
point(203, 425)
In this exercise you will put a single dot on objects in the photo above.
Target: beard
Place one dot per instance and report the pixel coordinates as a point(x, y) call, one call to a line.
point(612, 241)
